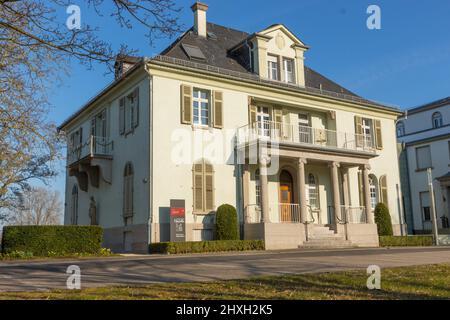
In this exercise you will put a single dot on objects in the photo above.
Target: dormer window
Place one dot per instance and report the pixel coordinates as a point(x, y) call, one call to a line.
point(273, 68)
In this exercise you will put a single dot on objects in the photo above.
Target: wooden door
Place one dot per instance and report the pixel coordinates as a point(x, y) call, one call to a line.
point(285, 202)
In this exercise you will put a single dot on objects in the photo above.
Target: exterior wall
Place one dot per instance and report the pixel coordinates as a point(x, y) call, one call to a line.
point(419, 132)
point(419, 182)
point(174, 180)
point(172, 173)
point(109, 197)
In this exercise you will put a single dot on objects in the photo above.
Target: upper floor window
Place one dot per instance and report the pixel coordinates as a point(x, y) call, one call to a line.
point(201, 107)
point(289, 70)
point(423, 157)
point(273, 67)
point(400, 129)
point(437, 120)
point(368, 133)
point(200, 103)
point(129, 112)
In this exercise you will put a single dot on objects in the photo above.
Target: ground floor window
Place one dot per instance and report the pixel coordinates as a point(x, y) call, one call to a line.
point(373, 191)
point(425, 205)
point(313, 190)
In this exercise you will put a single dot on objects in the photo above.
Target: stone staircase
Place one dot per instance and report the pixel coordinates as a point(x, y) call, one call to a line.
point(321, 237)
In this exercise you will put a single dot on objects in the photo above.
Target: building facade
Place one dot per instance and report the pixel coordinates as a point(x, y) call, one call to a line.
point(227, 117)
point(424, 142)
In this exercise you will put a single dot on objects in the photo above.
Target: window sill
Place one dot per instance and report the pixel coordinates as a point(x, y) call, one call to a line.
point(200, 127)
point(425, 169)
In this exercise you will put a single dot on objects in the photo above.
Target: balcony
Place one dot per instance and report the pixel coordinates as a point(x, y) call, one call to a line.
point(90, 161)
point(304, 136)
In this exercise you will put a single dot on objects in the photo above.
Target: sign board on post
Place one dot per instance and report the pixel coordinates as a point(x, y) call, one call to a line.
point(177, 221)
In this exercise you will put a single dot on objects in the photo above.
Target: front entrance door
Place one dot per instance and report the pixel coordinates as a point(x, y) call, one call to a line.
point(286, 200)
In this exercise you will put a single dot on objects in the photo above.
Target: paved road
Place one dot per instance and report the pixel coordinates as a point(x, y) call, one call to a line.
point(139, 270)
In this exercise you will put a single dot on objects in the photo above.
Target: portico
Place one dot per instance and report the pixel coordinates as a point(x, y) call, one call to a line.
point(300, 192)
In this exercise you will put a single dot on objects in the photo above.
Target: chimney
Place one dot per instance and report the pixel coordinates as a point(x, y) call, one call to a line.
point(199, 10)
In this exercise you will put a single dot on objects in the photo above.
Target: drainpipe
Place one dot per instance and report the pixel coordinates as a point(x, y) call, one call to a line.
point(150, 237)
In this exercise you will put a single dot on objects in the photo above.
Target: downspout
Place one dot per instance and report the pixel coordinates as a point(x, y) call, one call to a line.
point(150, 237)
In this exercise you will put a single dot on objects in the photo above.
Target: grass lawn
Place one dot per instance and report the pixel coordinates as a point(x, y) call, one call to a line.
point(421, 282)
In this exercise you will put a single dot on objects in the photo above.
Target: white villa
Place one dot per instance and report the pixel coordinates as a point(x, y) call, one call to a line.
point(228, 117)
point(424, 136)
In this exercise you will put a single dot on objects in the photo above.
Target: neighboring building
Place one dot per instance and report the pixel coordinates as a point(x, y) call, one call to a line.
point(129, 152)
point(424, 137)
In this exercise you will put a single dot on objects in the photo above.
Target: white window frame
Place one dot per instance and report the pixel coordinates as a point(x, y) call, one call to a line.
point(418, 167)
point(313, 192)
point(367, 132)
point(373, 188)
point(197, 111)
point(289, 74)
point(273, 66)
point(437, 120)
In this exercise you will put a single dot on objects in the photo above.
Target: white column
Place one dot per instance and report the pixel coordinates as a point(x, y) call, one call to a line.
point(302, 189)
point(335, 185)
point(263, 162)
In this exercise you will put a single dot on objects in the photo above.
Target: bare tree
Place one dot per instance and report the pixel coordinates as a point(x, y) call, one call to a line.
point(35, 46)
point(39, 206)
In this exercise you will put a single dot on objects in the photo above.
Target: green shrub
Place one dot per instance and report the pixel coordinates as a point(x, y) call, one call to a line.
point(383, 220)
point(406, 241)
point(206, 246)
point(226, 223)
point(44, 241)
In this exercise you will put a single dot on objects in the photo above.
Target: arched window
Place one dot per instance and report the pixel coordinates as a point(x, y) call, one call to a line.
point(400, 129)
point(128, 174)
point(313, 189)
point(258, 188)
point(74, 206)
point(203, 180)
point(373, 191)
point(437, 120)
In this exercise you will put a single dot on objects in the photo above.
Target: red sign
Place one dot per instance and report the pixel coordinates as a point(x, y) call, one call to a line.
point(177, 212)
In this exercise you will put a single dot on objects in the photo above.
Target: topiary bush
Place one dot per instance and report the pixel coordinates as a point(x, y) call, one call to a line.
point(44, 241)
point(383, 220)
point(227, 223)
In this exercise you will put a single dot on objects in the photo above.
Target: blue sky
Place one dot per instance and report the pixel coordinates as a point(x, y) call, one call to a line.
point(406, 63)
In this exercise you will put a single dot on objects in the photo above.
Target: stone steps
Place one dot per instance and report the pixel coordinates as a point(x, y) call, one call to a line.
point(321, 237)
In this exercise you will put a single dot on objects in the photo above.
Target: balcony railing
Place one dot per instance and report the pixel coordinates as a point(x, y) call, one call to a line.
point(281, 213)
point(304, 135)
point(94, 146)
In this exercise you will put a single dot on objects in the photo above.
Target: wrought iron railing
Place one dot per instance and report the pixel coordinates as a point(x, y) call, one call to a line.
point(304, 135)
point(349, 215)
point(94, 146)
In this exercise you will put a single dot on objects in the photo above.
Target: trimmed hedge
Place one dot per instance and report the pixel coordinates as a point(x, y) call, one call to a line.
point(206, 246)
point(43, 241)
point(406, 241)
point(227, 223)
point(383, 220)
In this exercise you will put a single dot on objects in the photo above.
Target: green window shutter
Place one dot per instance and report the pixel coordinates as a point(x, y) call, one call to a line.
point(198, 187)
point(209, 192)
point(218, 109)
point(186, 104)
point(122, 115)
point(383, 190)
point(359, 139)
point(378, 135)
point(278, 125)
point(252, 110)
point(135, 120)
